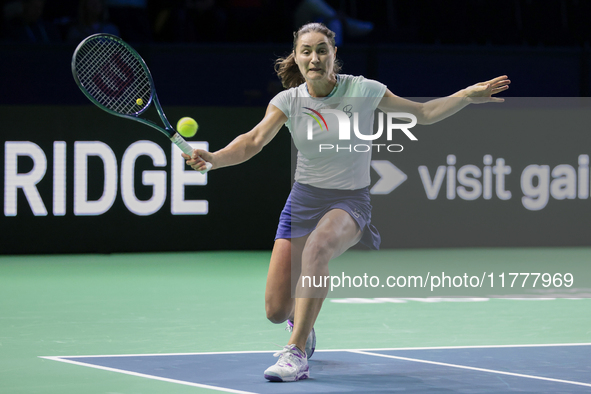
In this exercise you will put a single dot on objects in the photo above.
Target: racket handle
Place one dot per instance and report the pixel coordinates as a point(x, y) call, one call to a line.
point(187, 149)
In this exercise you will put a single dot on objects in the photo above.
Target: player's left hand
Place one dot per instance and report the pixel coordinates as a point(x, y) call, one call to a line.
point(482, 92)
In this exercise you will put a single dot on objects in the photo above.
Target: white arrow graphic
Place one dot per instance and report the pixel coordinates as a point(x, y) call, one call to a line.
point(391, 177)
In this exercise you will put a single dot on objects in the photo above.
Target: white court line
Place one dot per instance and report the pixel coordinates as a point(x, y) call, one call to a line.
point(205, 386)
point(324, 350)
point(163, 354)
point(473, 368)
point(461, 347)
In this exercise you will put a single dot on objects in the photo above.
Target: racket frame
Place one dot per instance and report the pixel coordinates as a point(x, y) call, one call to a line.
point(168, 130)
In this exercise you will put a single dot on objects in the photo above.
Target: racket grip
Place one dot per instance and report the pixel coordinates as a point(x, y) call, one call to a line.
point(187, 149)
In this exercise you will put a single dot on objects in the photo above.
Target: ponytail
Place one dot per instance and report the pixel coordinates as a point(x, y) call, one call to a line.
point(289, 72)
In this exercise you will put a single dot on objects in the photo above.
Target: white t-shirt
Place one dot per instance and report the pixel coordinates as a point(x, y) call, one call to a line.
point(346, 165)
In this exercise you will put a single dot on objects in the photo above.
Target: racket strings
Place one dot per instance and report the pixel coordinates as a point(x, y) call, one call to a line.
point(113, 75)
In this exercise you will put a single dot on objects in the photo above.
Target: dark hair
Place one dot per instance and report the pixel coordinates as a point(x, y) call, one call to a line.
point(287, 69)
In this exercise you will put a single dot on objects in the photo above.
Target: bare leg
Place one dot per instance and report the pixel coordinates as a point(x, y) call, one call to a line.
point(279, 303)
point(336, 232)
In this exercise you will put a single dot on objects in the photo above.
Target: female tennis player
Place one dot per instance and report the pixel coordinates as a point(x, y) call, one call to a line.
point(328, 209)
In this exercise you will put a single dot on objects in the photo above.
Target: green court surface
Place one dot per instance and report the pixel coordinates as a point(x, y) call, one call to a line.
point(214, 301)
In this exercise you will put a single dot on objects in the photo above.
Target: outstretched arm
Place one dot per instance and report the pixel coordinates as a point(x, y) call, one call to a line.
point(435, 110)
point(244, 147)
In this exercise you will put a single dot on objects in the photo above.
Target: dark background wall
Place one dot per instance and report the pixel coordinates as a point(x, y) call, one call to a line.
point(218, 68)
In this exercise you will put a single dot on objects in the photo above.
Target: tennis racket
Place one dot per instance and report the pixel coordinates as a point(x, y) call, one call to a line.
point(115, 78)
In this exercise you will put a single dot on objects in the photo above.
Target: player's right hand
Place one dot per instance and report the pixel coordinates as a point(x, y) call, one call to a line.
point(197, 160)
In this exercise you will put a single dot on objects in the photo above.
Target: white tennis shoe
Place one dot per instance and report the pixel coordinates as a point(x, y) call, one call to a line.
point(310, 342)
point(291, 366)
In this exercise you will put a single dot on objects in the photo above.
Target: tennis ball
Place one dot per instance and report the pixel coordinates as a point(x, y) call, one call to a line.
point(139, 101)
point(187, 127)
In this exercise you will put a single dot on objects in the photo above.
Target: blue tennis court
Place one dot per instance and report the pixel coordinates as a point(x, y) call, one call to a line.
point(503, 369)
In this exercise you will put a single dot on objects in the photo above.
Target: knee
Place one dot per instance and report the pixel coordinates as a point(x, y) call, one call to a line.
point(320, 248)
point(276, 314)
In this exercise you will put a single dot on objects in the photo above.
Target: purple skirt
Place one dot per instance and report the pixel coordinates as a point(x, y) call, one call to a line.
point(306, 205)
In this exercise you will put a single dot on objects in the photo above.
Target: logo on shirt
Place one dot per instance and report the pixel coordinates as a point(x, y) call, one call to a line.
point(347, 109)
point(316, 119)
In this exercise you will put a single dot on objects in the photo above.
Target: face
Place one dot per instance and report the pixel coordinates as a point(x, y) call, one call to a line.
point(315, 56)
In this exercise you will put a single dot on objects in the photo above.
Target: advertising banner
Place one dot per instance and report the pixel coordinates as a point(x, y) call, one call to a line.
point(76, 179)
point(499, 174)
